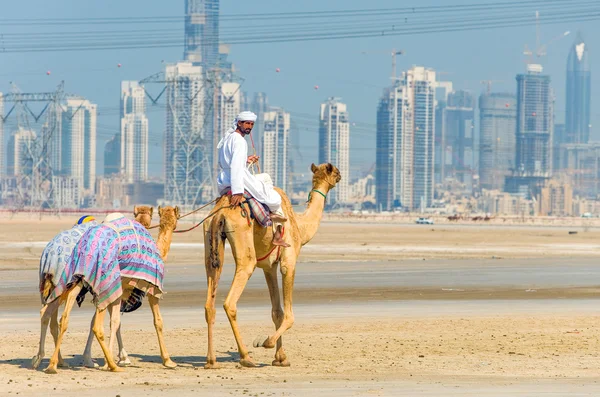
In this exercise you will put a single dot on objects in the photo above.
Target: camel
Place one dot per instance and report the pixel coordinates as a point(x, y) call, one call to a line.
point(168, 223)
point(251, 247)
point(143, 214)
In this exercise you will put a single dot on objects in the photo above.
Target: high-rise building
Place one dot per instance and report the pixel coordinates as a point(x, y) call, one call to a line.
point(201, 44)
point(559, 139)
point(578, 94)
point(458, 154)
point(497, 137)
point(259, 105)
point(20, 155)
point(188, 140)
point(230, 101)
point(334, 144)
point(134, 132)
point(78, 142)
point(112, 156)
point(405, 141)
point(440, 117)
point(275, 158)
point(535, 125)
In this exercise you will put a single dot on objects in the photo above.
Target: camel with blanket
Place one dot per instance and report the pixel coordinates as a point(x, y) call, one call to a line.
point(117, 259)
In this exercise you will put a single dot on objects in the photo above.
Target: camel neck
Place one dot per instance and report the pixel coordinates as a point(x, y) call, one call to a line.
point(310, 219)
point(163, 242)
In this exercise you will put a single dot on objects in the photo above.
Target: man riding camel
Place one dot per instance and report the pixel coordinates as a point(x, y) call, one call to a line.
point(234, 174)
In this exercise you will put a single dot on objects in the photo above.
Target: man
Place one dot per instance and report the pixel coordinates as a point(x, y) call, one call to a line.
point(234, 174)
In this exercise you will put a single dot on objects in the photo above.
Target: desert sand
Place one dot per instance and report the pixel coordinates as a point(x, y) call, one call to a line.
point(381, 310)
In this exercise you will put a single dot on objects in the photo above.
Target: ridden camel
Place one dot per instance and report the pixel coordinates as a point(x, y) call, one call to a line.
point(251, 247)
point(168, 223)
point(105, 262)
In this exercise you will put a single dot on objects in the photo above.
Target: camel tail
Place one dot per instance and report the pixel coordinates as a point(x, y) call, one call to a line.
point(46, 286)
point(216, 241)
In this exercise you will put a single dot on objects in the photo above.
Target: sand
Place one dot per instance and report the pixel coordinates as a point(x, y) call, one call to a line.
point(381, 310)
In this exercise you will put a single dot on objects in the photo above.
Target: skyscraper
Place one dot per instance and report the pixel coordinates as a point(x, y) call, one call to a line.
point(440, 119)
point(20, 153)
point(334, 144)
point(259, 105)
point(78, 142)
point(201, 44)
point(458, 154)
point(405, 141)
point(579, 85)
point(535, 124)
point(275, 158)
point(134, 132)
point(112, 155)
point(230, 101)
point(497, 137)
point(188, 142)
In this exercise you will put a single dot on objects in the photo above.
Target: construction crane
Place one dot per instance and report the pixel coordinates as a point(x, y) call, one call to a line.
point(540, 49)
point(488, 83)
point(393, 52)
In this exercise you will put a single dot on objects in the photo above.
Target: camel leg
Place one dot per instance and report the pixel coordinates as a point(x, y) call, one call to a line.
point(115, 325)
point(213, 274)
point(276, 315)
point(54, 332)
point(87, 353)
point(99, 332)
point(123, 357)
point(288, 271)
point(242, 275)
point(64, 323)
point(45, 314)
point(158, 325)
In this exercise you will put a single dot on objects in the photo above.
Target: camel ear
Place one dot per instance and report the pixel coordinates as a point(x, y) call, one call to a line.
point(135, 211)
point(329, 168)
point(151, 211)
point(313, 168)
point(159, 211)
point(177, 212)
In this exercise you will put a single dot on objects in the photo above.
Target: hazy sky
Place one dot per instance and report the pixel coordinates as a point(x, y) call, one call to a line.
point(338, 67)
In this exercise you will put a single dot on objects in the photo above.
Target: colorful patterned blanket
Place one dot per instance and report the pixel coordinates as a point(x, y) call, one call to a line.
point(57, 253)
point(258, 210)
point(110, 255)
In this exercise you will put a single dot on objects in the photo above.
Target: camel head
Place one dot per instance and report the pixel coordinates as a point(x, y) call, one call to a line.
point(143, 214)
point(168, 217)
point(325, 173)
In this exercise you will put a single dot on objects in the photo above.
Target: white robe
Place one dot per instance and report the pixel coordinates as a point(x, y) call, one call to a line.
point(233, 156)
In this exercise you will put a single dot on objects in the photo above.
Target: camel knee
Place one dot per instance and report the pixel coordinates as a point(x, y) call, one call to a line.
point(210, 313)
point(288, 320)
point(231, 310)
point(158, 324)
point(277, 315)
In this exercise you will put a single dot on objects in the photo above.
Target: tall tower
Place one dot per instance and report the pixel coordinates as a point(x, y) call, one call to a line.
point(78, 142)
point(201, 44)
point(2, 147)
point(230, 102)
point(134, 132)
point(259, 105)
point(458, 153)
point(497, 135)
point(275, 158)
point(19, 158)
point(334, 143)
point(578, 94)
point(535, 122)
point(405, 141)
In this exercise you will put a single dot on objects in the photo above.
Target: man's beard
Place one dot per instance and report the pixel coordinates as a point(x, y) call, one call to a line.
point(246, 131)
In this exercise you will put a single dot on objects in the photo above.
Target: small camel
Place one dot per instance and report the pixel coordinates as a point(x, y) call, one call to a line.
point(168, 223)
point(105, 263)
point(251, 247)
point(143, 214)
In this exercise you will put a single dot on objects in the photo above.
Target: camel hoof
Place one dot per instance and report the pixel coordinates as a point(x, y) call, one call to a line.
point(89, 363)
point(124, 363)
point(36, 361)
point(170, 364)
point(116, 369)
point(248, 363)
point(260, 341)
point(51, 370)
point(212, 366)
point(277, 363)
point(63, 364)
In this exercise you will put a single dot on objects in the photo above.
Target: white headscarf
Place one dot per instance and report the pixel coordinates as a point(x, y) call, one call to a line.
point(244, 116)
point(113, 216)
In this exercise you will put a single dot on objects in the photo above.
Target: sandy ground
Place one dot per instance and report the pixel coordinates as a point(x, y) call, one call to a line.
point(381, 310)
